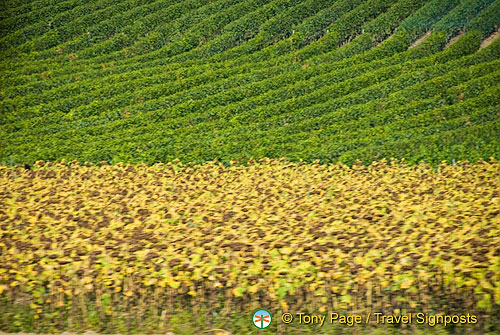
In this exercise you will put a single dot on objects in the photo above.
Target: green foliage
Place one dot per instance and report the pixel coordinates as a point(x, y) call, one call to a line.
point(424, 18)
point(487, 21)
point(458, 18)
point(196, 80)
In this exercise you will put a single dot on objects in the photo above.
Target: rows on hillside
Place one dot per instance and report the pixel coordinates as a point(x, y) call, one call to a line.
point(140, 63)
point(100, 68)
point(250, 97)
point(183, 118)
point(431, 12)
point(377, 24)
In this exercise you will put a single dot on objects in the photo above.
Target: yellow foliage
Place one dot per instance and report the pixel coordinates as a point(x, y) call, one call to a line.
point(271, 227)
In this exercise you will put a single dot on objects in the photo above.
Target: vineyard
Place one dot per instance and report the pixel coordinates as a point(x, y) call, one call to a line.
point(161, 157)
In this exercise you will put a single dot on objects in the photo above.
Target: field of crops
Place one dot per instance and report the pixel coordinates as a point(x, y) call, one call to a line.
point(161, 157)
point(141, 81)
point(118, 246)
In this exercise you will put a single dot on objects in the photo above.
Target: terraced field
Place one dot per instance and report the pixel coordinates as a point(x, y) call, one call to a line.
point(162, 90)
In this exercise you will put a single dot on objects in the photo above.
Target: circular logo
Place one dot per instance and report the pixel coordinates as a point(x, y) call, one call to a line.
point(262, 319)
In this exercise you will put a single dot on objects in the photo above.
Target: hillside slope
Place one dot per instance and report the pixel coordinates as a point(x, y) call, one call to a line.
point(148, 81)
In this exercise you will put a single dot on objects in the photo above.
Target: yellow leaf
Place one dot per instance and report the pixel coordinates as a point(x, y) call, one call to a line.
point(174, 284)
point(284, 305)
point(151, 281)
point(497, 293)
point(406, 283)
point(337, 275)
point(238, 291)
point(14, 283)
point(254, 288)
point(442, 220)
point(129, 293)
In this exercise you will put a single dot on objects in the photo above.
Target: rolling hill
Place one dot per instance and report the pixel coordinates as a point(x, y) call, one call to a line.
point(150, 81)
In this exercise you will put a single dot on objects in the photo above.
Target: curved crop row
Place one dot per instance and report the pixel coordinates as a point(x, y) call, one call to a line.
point(242, 118)
point(288, 80)
point(76, 18)
point(154, 56)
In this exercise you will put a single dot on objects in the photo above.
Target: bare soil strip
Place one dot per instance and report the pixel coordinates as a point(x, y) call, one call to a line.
point(420, 40)
point(454, 39)
point(490, 39)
